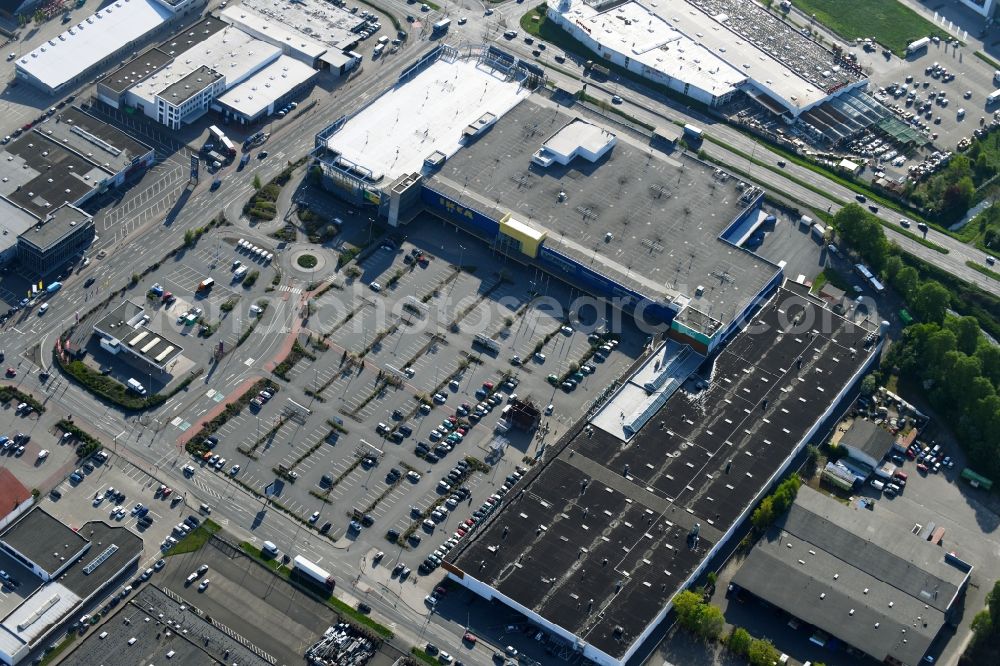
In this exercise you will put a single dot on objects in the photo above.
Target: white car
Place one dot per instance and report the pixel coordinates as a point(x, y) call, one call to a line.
point(375, 286)
point(462, 20)
point(234, 470)
point(204, 585)
point(314, 517)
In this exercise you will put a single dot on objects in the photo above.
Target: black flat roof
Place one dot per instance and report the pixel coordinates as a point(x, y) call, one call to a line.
point(190, 85)
point(99, 141)
point(102, 536)
point(664, 213)
point(63, 221)
point(622, 541)
point(136, 70)
point(43, 539)
point(191, 37)
point(60, 176)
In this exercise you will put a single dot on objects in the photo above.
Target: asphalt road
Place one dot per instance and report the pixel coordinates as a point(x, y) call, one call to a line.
point(151, 444)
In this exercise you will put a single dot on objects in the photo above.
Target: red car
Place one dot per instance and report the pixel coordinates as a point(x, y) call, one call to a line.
point(911, 454)
point(488, 386)
point(922, 468)
point(166, 492)
point(469, 637)
point(11, 372)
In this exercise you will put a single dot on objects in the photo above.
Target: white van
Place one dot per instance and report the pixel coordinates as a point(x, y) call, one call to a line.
point(383, 40)
point(878, 485)
point(378, 50)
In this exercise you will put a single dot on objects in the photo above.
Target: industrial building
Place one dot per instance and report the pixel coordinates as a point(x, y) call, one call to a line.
point(867, 442)
point(213, 65)
point(315, 32)
point(57, 570)
point(506, 165)
point(49, 172)
point(864, 577)
point(124, 333)
point(64, 233)
point(710, 50)
point(69, 59)
point(597, 539)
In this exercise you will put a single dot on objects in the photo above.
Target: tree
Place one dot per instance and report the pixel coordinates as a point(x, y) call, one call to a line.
point(698, 617)
point(892, 267)
point(906, 281)
point(989, 359)
point(711, 621)
point(869, 385)
point(957, 373)
point(966, 330)
point(762, 653)
point(739, 641)
point(930, 302)
point(956, 199)
point(256, 182)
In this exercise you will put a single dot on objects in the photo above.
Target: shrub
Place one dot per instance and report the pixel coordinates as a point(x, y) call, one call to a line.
point(250, 279)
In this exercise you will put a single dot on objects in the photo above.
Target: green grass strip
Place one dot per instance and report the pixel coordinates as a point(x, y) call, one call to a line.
point(198, 537)
point(982, 269)
point(59, 649)
point(988, 60)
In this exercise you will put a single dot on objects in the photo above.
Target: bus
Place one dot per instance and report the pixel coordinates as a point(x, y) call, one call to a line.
point(442, 26)
point(487, 343)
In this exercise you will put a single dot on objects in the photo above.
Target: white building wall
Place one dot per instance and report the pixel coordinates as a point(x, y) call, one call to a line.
point(26, 504)
point(620, 59)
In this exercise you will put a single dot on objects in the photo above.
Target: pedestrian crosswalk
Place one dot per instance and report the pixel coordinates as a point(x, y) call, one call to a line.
point(289, 288)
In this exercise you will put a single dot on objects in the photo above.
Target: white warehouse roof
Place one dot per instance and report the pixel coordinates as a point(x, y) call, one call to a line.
point(93, 39)
point(256, 94)
point(638, 32)
point(274, 31)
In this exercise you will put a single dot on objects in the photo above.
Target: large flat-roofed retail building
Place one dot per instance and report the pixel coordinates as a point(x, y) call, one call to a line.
point(313, 31)
point(49, 173)
point(595, 541)
point(213, 65)
point(861, 576)
point(58, 571)
point(68, 59)
point(711, 49)
point(551, 188)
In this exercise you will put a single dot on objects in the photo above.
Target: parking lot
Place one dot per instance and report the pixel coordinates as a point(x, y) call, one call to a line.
point(968, 90)
point(89, 499)
point(395, 348)
point(198, 319)
point(45, 458)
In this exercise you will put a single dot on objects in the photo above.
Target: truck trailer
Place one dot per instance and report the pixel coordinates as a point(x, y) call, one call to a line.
point(313, 572)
